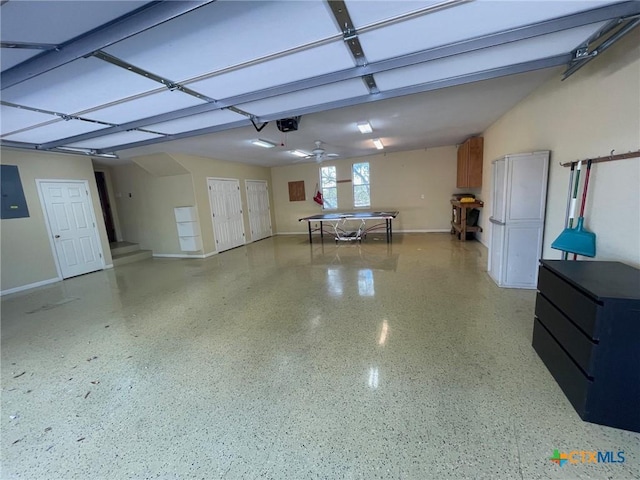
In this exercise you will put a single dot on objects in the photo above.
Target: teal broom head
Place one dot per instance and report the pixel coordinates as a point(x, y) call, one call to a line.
point(576, 240)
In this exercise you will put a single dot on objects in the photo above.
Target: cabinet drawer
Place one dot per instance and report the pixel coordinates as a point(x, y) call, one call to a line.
point(190, 244)
point(188, 229)
point(580, 347)
point(573, 382)
point(185, 214)
point(582, 310)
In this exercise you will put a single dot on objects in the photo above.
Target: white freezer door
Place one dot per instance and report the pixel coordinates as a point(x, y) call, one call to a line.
point(496, 243)
point(526, 187)
point(499, 191)
point(514, 253)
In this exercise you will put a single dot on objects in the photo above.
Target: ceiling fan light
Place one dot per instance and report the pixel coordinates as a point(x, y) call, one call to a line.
point(263, 143)
point(378, 143)
point(299, 153)
point(365, 127)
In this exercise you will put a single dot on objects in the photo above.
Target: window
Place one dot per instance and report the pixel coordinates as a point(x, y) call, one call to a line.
point(361, 188)
point(329, 188)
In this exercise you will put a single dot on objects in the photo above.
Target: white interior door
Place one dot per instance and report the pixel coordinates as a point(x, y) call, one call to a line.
point(71, 219)
point(226, 210)
point(259, 210)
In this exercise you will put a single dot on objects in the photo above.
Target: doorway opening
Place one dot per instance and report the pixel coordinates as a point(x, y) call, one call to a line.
point(101, 182)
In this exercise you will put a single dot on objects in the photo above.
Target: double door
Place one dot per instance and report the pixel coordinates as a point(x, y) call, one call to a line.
point(226, 209)
point(519, 193)
point(259, 210)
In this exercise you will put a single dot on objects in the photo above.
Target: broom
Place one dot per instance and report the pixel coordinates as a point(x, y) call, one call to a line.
point(578, 240)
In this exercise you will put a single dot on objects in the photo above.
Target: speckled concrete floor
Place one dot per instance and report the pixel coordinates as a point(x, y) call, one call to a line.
point(288, 361)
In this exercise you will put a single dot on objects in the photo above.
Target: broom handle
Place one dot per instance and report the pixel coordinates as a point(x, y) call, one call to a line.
point(574, 197)
point(566, 215)
point(586, 186)
point(584, 195)
point(572, 208)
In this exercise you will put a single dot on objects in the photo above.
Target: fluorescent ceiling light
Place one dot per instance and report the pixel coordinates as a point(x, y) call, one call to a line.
point(263, 143)
point(378, 143)
point(299, 153)
point(365, 127)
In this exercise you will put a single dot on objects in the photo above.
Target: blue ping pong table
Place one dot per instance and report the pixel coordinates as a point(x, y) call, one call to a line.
point(339, 220)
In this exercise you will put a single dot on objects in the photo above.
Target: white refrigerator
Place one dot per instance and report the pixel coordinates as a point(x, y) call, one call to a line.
point(519, 198)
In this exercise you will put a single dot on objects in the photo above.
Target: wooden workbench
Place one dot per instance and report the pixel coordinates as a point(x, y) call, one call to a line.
point(459, 218)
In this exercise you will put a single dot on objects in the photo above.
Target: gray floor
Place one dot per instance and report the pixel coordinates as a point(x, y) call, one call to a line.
point(289, 361)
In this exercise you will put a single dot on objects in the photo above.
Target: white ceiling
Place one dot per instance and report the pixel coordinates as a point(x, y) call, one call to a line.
point(133, 77)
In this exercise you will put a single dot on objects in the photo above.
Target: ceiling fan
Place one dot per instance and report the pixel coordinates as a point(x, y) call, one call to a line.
point(320, 154)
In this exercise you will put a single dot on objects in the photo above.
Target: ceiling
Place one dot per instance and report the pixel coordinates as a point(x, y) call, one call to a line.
point(119, 79)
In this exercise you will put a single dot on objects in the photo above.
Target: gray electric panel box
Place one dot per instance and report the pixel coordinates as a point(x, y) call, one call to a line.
point(13, 203)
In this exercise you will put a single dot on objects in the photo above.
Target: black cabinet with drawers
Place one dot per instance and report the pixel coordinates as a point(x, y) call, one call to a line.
point(587, 332)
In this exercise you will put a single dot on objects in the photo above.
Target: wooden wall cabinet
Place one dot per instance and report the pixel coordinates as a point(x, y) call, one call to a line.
point(470, 163)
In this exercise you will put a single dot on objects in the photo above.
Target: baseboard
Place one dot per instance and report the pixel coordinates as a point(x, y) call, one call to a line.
point(106, 267)
point(181, 255)
point(481, 239)
point(29, 286)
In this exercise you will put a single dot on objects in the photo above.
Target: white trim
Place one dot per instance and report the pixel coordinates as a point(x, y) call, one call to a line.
point(353, 187)
point(180, 255)
point(29, 286)
point(39, 182)
point(257, 180)
point(481, 239)
point(107, 267)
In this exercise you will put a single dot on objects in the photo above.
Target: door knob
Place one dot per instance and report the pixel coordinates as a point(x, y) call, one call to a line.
point(57, 236)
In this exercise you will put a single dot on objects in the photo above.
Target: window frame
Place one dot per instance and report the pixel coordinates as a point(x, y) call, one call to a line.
point(323, 188)
point(353, 184)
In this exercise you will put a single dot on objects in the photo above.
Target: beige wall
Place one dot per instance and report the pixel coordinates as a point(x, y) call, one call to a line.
point(589, 114)
point(147, 218)
point(26, 252)
point(145, 206)
point(202, 168)
point(398, 181)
